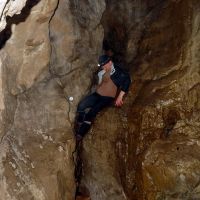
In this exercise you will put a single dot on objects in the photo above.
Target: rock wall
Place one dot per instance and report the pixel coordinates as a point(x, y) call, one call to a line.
point(170, 168)
point(44, 61)
point(149, 146)
point(146, 150)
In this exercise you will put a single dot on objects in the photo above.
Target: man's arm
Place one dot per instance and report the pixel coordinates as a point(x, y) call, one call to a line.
point(119, 100)
point(124, 89)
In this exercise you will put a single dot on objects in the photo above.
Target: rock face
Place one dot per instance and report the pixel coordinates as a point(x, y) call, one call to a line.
point(146, 150)
point(40, 69)
point(170, 168)
point(150, 146)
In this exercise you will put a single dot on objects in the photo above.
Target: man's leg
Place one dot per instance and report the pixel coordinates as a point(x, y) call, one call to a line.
point(85, 104)
point(103, 102)
point(89, 117)
point(81, 127)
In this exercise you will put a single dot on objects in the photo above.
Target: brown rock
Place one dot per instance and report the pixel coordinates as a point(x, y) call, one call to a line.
point(37, 118)
point(51, 55)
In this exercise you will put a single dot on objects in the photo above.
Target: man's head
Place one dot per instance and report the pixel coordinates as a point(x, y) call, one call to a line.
point(105, 62)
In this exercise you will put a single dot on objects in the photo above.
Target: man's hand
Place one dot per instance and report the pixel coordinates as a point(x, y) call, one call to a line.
point(119, 101)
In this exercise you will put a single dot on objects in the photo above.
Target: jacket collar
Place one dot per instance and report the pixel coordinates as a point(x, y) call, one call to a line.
point(112, 71)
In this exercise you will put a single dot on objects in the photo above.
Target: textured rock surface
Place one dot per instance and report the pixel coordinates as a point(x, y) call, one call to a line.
point(51, 55)
point(37, 77)
point(175, 173)
point(162, 50)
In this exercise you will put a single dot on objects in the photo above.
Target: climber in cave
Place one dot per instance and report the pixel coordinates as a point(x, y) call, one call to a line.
point(113, 84)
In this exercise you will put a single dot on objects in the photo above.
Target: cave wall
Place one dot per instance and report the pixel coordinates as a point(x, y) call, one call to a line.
point(170, 168)
point(148, 149)
point(42, 64)
point(149, 145)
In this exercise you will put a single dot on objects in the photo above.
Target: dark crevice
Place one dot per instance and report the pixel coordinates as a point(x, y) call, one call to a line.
point(115, 34)
point(170, 119)
point(51, 69)
point(115, 41)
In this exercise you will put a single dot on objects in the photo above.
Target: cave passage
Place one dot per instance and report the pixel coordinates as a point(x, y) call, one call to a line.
point(114, 44)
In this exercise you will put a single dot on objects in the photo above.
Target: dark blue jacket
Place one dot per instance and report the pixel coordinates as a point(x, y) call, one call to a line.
point(121, 79)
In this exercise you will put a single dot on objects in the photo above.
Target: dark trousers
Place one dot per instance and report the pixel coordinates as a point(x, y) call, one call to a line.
point(88, 109)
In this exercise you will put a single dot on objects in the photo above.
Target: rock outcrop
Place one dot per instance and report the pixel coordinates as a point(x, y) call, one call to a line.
point(148, 149)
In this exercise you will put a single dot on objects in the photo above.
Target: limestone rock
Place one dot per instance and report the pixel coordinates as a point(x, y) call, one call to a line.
point(36, 132)
point(171, 169)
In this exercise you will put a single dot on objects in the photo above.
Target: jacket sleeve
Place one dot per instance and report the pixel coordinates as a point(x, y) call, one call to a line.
point(125, 82)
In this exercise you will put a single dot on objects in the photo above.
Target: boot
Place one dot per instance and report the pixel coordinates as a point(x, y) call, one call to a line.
point(83, 129)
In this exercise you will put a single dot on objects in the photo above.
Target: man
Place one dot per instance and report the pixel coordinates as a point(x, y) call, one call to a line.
point(111, 79)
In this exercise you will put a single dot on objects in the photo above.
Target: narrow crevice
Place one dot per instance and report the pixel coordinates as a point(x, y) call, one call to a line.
point(77, 153)
point(51, 68)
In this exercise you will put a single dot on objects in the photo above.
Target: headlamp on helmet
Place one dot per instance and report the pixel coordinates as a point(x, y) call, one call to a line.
point(104, 59)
